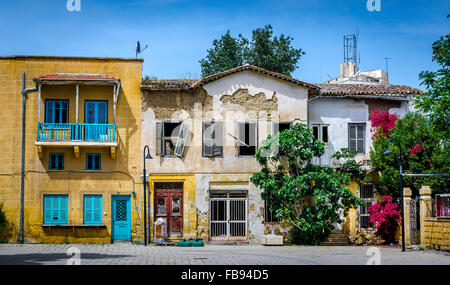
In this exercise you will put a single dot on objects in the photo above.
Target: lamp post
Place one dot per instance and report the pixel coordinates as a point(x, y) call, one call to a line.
point(148, 156)
point(386, 152)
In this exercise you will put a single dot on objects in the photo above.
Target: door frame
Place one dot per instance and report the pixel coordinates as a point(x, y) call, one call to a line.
point(90, 101)
point(113, 212)
point(227, 200)
point(167, 194)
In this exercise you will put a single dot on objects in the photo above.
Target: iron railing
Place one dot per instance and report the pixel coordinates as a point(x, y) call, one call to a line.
point(55, 132)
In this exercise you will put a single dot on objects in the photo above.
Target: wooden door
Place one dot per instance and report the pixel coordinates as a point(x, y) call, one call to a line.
point(168, 204)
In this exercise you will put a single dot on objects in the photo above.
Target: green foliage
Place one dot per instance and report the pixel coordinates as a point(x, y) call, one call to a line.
point(409, 131)
point(3, 220)
point(349, 165)
point(436, 101)
point(307, 196)
point(263, 50)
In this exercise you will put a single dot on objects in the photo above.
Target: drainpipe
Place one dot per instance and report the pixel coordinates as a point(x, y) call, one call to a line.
point(22, 172)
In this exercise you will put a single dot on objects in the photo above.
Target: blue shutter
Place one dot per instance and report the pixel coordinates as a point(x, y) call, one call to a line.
point(55, 209)
point(93, 209)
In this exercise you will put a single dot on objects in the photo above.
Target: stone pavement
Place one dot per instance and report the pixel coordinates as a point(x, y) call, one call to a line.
point(13, 254)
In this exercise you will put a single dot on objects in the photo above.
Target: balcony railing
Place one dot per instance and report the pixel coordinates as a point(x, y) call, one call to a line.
point(76, 132)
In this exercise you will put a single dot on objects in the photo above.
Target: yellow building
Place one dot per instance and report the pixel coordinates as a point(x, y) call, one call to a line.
point(82, 162)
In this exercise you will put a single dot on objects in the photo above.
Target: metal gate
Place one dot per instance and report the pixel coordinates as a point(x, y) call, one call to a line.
point(228, 216)
point(414, 221)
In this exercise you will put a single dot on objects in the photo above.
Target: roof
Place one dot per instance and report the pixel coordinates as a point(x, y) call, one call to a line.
point(71, 57)
point(367, 90)
point(168, 84)
point(192, 83)
point(246, 67)
point(86, 77)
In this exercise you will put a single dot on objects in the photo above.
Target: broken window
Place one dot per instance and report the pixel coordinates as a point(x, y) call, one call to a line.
point(171, 138)
point(212, 145)
point(356, 137)
point(280, 126)
point(248, 138)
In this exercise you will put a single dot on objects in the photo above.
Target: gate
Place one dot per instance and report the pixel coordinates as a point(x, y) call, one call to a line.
point(414, 221)
point(228, 216)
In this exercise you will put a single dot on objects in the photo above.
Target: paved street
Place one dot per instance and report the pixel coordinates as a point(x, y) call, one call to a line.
point(211, 254)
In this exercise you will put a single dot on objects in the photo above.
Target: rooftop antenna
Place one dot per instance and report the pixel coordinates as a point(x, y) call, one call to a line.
point(387, 68)
point(351, 49)
point(138, 48)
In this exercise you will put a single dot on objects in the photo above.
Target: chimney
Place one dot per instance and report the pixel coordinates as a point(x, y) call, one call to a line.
point(348, 69)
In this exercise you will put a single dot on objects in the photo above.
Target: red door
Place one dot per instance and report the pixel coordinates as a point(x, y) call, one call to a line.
point(169, 206)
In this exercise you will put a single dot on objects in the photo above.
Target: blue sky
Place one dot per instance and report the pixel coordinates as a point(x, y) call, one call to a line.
point(180, 31)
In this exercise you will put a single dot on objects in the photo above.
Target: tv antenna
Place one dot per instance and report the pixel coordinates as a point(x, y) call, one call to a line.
point(387, 68)
point(138, 48)
point(351, 47)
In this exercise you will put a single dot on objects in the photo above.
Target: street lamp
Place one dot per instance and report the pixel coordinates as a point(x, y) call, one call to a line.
point(148, 156)
point(387, 152)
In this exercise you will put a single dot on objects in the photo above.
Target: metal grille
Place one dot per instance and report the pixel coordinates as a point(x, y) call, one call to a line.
point(367, 193)
point(413, 221)
point(228, 216)
point(121, 210)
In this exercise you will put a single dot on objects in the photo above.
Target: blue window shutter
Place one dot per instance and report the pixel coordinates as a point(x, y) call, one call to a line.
point(56, 209)
point(47, 210)
point(93, 209)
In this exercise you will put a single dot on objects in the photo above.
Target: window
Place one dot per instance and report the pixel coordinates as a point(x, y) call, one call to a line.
point(55, 209)
point(57, 111)
point(96, 112)
point(92, 210)
point(442, 205)
point(320, 132)
point(367, 193)
point(280, 126)
point(93, 161)
point(356, 137)
point(171, 138)
point(212, 139)
point(248, 138)
point(56, 161)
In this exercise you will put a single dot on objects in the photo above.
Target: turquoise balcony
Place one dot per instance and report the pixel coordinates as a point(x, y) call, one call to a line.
point(72, 132)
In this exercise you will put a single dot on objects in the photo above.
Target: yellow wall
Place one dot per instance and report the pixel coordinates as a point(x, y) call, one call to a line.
point(189, 210)
point(436, 234)
point(119, 175)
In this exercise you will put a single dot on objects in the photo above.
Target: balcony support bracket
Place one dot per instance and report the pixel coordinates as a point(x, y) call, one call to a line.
point(40, 151)
point(76, 151)
point(113, 152)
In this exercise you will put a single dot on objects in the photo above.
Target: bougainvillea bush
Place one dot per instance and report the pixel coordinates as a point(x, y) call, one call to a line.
point(421, 152)
point(385, 216)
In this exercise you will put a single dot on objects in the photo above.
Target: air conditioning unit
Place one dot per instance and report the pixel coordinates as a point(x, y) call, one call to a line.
point(442, 209)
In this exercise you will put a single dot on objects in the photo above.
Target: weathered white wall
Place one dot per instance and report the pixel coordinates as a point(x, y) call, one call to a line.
point(230, 170)
point(338, 113)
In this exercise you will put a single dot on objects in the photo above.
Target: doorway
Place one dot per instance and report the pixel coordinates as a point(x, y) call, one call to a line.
point(121, 217)
point(168, 205)
point(228, 216)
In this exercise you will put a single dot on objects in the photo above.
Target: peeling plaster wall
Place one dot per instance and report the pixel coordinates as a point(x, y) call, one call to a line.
point(239, 97)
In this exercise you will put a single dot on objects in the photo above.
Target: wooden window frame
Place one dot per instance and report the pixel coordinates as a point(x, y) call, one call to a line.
point(216, 150)
point(56, 155)
point(355, 125)
point(93, 155)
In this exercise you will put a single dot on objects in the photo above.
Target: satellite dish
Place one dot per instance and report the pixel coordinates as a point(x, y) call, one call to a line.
point(138, 48)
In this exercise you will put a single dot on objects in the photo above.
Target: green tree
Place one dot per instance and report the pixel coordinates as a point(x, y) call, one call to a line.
point(309, 197)
point(264, 50)
point(436, 101)
point(226, 53)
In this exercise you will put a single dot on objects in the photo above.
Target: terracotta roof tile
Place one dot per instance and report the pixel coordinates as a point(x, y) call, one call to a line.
point(214, 77)
point(367, 90)
point(168, 83)
point(75, 77)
